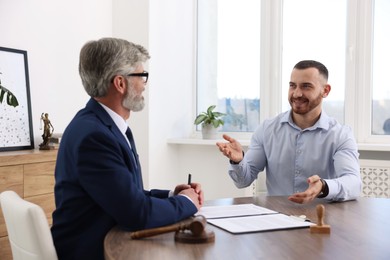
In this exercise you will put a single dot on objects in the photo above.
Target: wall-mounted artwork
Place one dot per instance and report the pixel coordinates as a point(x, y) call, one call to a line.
point(16, 132)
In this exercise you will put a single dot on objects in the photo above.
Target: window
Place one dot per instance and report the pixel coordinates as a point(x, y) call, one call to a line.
point(247, 49)
point(309, 34)
point(228, 61)
point(381, 88)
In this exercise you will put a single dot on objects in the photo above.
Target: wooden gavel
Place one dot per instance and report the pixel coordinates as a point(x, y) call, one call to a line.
point(195, 224)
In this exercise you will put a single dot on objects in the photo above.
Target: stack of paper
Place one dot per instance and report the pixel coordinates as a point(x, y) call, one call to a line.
point(245, 218)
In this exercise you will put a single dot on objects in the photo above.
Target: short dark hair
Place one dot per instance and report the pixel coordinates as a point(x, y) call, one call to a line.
point(305, 64)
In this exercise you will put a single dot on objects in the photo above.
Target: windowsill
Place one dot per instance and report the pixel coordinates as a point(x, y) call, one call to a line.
point(199, 141)
point(374, 147)
point(245, 143)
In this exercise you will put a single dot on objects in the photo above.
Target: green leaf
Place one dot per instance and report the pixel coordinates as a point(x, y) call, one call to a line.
point(218, 114)
point(11, 99)
point(210, 112)
point(210, 109)
point(200, 118)
point(2, 92)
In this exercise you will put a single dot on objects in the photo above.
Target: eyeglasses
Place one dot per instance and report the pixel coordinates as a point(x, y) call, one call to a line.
point(144, 75)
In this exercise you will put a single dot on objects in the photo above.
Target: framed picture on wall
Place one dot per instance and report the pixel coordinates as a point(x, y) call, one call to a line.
point(16, 132)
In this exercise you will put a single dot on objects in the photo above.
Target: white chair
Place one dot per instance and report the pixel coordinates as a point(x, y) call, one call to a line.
point(28, 230)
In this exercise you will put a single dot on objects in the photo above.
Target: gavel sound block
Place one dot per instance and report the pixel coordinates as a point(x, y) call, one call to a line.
point(191, 230)
point(320, 227)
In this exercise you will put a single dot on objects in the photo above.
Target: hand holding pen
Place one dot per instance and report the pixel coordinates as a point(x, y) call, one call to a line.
point(191, 189)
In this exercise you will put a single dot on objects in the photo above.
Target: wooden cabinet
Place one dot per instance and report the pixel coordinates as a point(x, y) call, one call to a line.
point(31, 175)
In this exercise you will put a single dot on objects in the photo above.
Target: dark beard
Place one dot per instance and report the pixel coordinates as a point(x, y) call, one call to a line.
point(311, 104)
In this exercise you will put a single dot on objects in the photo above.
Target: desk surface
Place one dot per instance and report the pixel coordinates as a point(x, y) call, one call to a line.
point(359, 230)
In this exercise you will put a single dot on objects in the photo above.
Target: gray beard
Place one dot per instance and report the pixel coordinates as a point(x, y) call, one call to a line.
point(133, 102)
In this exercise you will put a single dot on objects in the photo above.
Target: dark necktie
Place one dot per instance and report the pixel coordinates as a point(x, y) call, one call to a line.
point(135, 155)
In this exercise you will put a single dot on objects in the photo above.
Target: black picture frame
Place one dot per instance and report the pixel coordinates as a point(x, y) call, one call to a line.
point(16, 131)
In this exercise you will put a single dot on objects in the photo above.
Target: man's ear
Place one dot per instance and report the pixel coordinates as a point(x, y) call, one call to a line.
point(119, 83)
point(327, 89)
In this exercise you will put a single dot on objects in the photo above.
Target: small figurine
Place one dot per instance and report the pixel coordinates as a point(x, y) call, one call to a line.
point(48, 130)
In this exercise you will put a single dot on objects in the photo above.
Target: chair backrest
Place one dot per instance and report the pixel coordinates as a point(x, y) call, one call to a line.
point(28, 230)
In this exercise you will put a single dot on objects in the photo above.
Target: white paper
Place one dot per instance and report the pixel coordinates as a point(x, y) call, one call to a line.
point(258, 223)
point(211, 212)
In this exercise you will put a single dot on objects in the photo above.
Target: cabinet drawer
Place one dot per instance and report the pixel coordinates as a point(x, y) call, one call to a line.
point(38, 178)
point(11, 178)
point(46, 202)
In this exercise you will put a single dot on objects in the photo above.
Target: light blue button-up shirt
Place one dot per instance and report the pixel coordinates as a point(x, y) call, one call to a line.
point(291, 155)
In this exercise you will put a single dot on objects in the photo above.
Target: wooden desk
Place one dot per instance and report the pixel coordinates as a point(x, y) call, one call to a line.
point(359, 230)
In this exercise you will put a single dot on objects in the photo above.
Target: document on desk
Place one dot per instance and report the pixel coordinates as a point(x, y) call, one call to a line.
point(247, 218)
point(210, 212)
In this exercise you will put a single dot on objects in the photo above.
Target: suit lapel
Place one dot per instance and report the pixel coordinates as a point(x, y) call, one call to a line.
point(96, 108)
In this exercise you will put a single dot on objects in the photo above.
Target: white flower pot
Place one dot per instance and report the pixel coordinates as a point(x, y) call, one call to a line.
point(209, 131)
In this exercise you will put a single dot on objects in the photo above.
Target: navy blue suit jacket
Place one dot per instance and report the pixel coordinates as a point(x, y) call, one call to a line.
point(97, 187)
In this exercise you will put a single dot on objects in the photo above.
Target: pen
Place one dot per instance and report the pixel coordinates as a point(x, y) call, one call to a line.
point(189, 179)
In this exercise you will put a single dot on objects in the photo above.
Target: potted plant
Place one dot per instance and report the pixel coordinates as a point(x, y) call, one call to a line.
point(210, 121)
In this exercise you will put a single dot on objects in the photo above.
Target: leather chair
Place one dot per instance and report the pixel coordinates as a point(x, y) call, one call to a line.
point(28, 230)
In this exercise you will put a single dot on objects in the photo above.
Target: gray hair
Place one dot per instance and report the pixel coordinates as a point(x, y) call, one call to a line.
point(102, 60)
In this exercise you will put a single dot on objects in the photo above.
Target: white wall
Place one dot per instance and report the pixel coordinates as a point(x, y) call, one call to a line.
point(52, 32)
point(131, 22)
point(171, 47)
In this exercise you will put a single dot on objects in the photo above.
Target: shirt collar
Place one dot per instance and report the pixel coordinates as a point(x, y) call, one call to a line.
point(323, 122)
point(118, 120)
